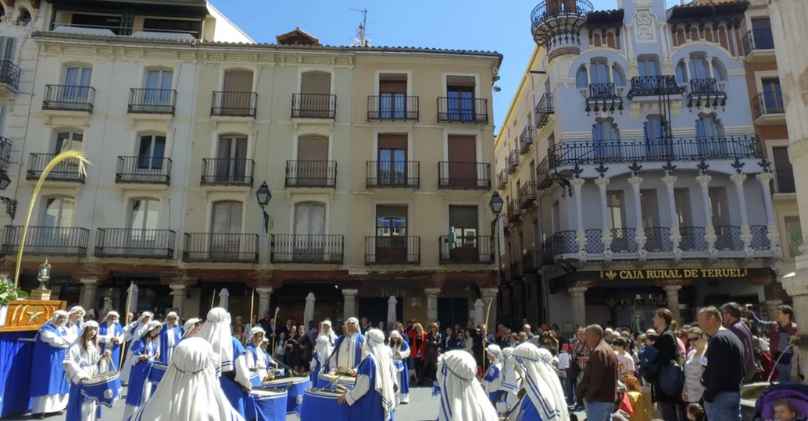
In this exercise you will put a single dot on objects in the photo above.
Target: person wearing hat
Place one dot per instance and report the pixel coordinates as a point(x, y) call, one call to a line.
point(84, 360)
point(401, 352)
point(373, 398)
point(75, 321)
point(49, 386)
point(462, 398)
point(545, 396)
point(348, 349)
point(191, 327)
point(170, 336)
point(144, 351)
point(258, 361)
point(132, 333)
point(492, 381)
point(110, 336)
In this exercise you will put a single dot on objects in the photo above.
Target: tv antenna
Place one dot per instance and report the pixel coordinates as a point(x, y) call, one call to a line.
point(361, 34)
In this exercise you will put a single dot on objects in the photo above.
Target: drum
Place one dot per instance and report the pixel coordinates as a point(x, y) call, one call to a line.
point(334, 379)
point(295, 386)
point(156, 372)
point(320, 405)
point(265, 405)
point(104, 389)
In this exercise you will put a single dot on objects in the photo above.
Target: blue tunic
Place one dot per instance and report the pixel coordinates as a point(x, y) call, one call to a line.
point(255, 379)
point(404, 371)
point(74, 403)
point(47, 372)
point(369, 406)
point(140, 370)
point(165, 350)
point(117, 331)
point(528, 411)
point(237, 396)
point(357, 351)
point(491, 376)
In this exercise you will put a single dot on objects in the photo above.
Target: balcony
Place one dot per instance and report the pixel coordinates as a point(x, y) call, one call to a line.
point(143, 170)
point(314, 106)
point(5, 152)
point(785, 180)
point(69, 98)
point(706, 93)
point(297, 248)
point(392, 250)
point(135, 243)
point(464, 175)
point(234, 104)
point(47, 241)
point(10, 75)
point(759, 45)
point(594, 242)
point(152, 101)
point(525, 140)
point(658, 239)
point(768, 108)
point(513, 161)
point(66, 171)
point(502, 179)
point(728, 238)
point(563, 242)
point(462, 110)
point(220, 248)
point(393, 174)
point(551, 17)
point(544, 108)
point(570, 153)
point(311, 174)
point(527, 195)
point(393, 107)
point(693, 239)
point(760, 238)
point(603, 97)
point(624, 240)
point(512, 211)
point(644, 86)
point(227, 172)
point(473, 249)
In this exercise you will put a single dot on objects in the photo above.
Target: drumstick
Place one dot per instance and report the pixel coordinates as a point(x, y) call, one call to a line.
point(128, 308)
point(485, 346)
point(252, 306)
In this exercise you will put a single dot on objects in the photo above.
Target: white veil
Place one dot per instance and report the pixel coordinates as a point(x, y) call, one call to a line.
point(510, 378)
point(541, 382)
point(384, 369)
point(190, 388)
point(462, 398)
point(216, 330)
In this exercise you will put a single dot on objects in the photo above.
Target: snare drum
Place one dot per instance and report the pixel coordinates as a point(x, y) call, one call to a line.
point(265, 405)
point(104, 389)
point(321, 405)
point(295, 386)
point(334, 379)
point(156, 372)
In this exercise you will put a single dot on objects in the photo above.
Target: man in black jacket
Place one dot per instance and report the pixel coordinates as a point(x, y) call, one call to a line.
point(725, 368)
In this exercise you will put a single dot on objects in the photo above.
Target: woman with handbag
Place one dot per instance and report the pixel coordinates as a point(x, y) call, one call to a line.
point(667, 361)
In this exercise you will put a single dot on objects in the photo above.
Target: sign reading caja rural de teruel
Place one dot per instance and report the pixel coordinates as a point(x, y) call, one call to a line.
point(680, 273)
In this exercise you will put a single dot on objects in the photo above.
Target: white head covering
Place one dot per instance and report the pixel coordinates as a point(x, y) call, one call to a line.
point(190, 388)
point(59, 313)
point(256, 330)
point(541, 381)
point(87, 325)
point(510, 378)
point(112, 313)
point(331, 334)
point(152, 325)
point(79, 310)
point(395, 334)
point(355, 321)
point(189, 324)
point(145, 314)
point(216, 330)
point(384, 369)
point(496, 351)
point(462, 398)
point(323, 348)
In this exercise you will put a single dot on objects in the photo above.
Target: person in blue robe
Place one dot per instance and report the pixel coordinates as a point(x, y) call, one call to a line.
point(348, 349)
point(144, 351)
point(323, 347)
point(49, 386)
point(84, 360)
point(545, 397)
point(462, 398)
point(170, 336)
point(492, 381)
point(258, 361)
point(235, 376)
point(401, 353)
point(132, 333)
point(373, 398)
point(111, 336)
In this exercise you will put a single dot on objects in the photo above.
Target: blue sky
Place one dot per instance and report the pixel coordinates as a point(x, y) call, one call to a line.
point(501, 25)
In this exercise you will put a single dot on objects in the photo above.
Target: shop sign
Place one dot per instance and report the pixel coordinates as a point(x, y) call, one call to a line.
point(673, 274)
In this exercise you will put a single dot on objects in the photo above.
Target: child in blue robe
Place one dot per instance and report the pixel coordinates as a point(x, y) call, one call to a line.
point(111, 336)
point(492, 382)
point(144, 351)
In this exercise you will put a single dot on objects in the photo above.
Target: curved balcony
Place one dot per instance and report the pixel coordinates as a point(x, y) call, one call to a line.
point(728, 237)
point(544, 108)
point(658, 239)
point(564, 242)
point(552, 19)
point(706, 92)
point(760, 238)
point(642, 86)
point(604, 97)
point(624, 240)
point(692, 239)
point(594, 242)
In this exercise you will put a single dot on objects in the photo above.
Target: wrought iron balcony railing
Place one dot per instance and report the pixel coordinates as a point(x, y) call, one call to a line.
point(47, 241)
point(594, 242)
point(525, 139)
point(466, 249)
point(693, 239)
point(221, 248)
point(5, 151)
point(462, 110)
point(311, 173)
point(653, 86)
point(527, 194)
point(234, 104)
point(392, 250)
point(314, 106)
point(563, 242)
point(624, 240)
point(143, 170)
point(307, 248)
point(758, 39)
point(136, 243)
point(222, 171)
point(767, 104)
point(550, 9)
point(406, 174)
point(544, 108)
point(728, 237)
point(585, 152)
point(69, 98)
point(393, 107)
point(10, 74)
point(558, 17)
point(65, 171)
point(605, 97)
point(760, 238)
point(464, 175)
point(658, 239)
point(513, 161)
point(152, 101)
point(706, 92)
point(502, 179)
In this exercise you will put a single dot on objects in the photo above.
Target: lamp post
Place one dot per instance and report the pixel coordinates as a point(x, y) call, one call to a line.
point(263, 195)
point(496, 204)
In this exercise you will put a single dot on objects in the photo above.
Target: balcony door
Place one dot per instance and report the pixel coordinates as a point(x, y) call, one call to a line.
point(617, 219)
point(650, 220)
point(237, 96)
point(762, 31)
point(657, 145)
point(605, 140)
point(462, 157)
point(784, 172)
point(309, 245)
point(77, 85)
point(599, 70)
point(392, 160)
point(699, 69)
point(231, 158)
point(391, 234)
point(56, 219)
point(157, 83)
point(393, 96)
point(312, 160)
point(460, 97)
point(226, 229)
point(772, 95)
point(710, 137)
point(648, 66)
point(144, 217)
point(151, 153)
point(463, 241)
point(68, 140)
point(315, 99)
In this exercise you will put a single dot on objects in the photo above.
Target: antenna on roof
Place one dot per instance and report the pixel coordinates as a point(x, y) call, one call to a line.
point(361, 34)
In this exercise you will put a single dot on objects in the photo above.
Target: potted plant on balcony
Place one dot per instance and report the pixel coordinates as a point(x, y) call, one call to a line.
point(8, 293)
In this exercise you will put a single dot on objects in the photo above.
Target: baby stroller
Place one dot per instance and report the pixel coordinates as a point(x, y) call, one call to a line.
point(795, 394)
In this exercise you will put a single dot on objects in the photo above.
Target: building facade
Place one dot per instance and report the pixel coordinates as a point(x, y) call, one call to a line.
point(254, 175)
point(651, 186)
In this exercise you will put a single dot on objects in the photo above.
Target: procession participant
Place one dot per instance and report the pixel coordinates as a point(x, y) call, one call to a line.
point(327, 331)
point(462, 398)
point(235, 376)
point(492, 381)
point(191, 327)
point(401, 352)
point(144, 351)
point(319, 361)
point(84, 361)
point(190, 388)
point(373, 397)
point(75, 320)
point(511, 381)
point(258, 361)
point(348, 349)
point(170, 336)
point(132, 334)
point(546, 396)
point(49, 387)
point(111, 336)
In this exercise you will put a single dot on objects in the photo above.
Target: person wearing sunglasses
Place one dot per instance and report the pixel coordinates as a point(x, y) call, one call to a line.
point(694, 366)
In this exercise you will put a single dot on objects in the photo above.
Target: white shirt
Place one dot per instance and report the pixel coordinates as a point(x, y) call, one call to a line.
point(346, 354)
point(564, 359)
point(625, 363)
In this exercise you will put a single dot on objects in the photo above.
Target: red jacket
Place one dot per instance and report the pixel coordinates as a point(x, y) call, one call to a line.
point(417, 345)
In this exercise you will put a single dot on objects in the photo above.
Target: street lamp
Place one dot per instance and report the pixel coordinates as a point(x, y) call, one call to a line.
point(263, 195)
point(496, 204)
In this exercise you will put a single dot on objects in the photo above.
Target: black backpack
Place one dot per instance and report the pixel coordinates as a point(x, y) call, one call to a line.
point(671, 379)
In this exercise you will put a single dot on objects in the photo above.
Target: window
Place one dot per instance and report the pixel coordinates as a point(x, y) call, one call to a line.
point(709, 135)
point(391, 221)
point(762, 33)
point(719, 71)
point(392, 159)
point(460, 93)
point(24, 17)
point(393, 96)
point(7, 48)
point(237, 95)
point(772, 95)
point(604, 138)
point(462, 154)
point(226, 217)
point(231, 154)
point(650, 208)
point(151, 151)
point(68, 139)
point(648, 65)
point(783, 170)
point(112, 23)
point(600, 71)
point(172, 25)
point(309, 218)
point(794, 233)
point(616, 211)
point(618, 75)
point(58, 212)
point(556, 222)
point(315, 83)
point(157, 83)
point(77, 84)
point(683, 212)
point(462, 241)
point(699, 69)
point(144, 215)
point(718, 200)
point(681, 73)
point(581, 78)
point(657, 143)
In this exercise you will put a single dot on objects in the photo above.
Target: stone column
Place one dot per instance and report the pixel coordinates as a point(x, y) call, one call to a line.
point(224, 299)
point(606, 231)
point(639, 233)
point(89, 286)
point(490, 300)
point(264, 294)
point(672, 294)
point(308, 313)
point(746, 232)
point(349, 303)
point(578, 294)
point(773, 234)
point(577, 185)
point(709, 229)
point(432, 303)
point(676, 234)
point(479, 312)
point(177, 297)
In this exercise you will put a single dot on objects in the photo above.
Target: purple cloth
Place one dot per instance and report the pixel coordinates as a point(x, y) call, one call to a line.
point(795, 394)
point(745, 335)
